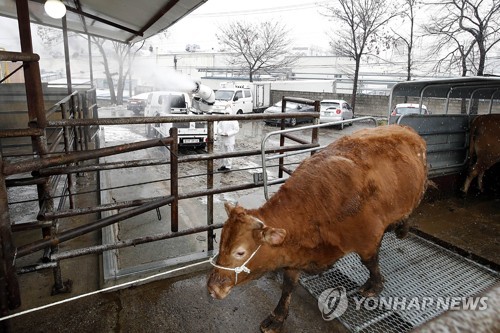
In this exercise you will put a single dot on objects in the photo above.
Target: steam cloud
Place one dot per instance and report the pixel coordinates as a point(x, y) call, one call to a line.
point(162, 78)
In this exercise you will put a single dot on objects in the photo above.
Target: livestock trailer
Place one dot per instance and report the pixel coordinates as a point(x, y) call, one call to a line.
point(453, 104)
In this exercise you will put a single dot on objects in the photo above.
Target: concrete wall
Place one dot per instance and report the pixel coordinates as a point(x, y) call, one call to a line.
point(376, 105)
point(372, 105)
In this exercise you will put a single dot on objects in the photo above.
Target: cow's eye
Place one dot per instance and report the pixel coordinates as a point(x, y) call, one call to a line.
point(240, 254)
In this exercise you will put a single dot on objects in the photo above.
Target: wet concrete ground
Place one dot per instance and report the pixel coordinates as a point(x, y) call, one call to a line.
point(182, 303)
point(178, 305)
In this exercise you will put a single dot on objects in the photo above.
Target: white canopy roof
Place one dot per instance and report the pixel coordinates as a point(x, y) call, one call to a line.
point(127, 21)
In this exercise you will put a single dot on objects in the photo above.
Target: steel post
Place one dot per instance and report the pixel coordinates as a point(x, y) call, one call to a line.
point(9, 286)
point(60, 286)
point(36, 106)
point(67, 150)
point(210, 185)
point(174, 183)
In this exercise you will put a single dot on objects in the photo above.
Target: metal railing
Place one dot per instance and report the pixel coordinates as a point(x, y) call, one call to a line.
point(59, 156)
point(281, 156)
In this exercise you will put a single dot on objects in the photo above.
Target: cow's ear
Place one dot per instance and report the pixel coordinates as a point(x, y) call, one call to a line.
point(274, 236)
point(229, 207)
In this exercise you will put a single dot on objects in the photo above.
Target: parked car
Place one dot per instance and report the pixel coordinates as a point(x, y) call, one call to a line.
point(335, 110)
point(409, 108)
point(290, 107)
point(137, 103)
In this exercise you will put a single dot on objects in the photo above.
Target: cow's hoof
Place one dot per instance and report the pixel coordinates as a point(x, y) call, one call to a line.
point(271, 324)
point(371, 289)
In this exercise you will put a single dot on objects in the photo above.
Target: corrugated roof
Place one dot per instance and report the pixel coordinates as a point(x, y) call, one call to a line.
point(127, 21)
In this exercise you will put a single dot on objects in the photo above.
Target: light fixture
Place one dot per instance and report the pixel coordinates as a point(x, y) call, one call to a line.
point(55, 8)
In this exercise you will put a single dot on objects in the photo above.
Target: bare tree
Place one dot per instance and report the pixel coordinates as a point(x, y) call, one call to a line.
point(259, 47)
point(361, 22)
point(478, 19)
point(122, 52)
point(407, 37)
point(99, 42)
point(51, 37)
point(454, 48)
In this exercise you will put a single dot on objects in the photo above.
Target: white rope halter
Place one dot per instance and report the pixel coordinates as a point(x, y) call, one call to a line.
point(236, 270)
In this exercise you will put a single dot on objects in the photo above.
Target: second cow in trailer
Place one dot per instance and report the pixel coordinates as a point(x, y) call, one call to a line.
point(484, 148)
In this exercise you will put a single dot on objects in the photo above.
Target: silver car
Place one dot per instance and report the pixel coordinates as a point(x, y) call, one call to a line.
point(335, 110)
point(290, 107)
point(409, 108)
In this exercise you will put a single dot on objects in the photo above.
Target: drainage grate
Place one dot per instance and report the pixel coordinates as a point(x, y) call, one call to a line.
point(413, 268)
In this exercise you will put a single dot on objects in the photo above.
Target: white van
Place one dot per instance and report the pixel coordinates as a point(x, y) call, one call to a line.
point(238, 97)
point(171, 103)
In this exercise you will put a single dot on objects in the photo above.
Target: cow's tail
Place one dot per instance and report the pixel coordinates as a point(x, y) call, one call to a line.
point(431, 184)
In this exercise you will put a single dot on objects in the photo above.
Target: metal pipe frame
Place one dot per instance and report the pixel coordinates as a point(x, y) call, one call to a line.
point(132, 242)
point(175, 119)
point(285, 131)
point(115, 218)
point(32, 165)
point(78, 122)
point(9, 286)
point(152, 162)
point(210, 185)
point(84, 229)
point(19, 56)
point(56, 215)
point(174, 181)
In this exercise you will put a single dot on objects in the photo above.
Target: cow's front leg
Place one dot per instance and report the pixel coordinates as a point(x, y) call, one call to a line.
point(375, 283)
point(274, 322)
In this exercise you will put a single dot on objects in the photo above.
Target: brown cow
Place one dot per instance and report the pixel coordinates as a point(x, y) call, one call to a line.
point(337, 201)
point(484, 148)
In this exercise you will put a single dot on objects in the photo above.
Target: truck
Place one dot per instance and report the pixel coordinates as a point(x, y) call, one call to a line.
point(242, 97)
point(260, 92)
point(178, 103)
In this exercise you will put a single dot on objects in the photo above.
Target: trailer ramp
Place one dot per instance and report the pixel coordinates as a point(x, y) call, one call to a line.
point(413, 268)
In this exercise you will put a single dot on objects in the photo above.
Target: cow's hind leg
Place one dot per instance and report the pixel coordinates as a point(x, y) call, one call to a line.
point(400, 228)
point(482, 171)
point(274, 322)
point(375, 283)
point(473, 173)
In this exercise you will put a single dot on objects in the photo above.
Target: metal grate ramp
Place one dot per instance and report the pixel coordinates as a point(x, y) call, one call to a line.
point(413, 268)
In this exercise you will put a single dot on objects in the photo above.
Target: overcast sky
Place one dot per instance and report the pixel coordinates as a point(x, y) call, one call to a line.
point(308, 27)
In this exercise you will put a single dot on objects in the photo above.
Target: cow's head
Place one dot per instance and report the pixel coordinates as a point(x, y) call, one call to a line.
point(245, 245)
